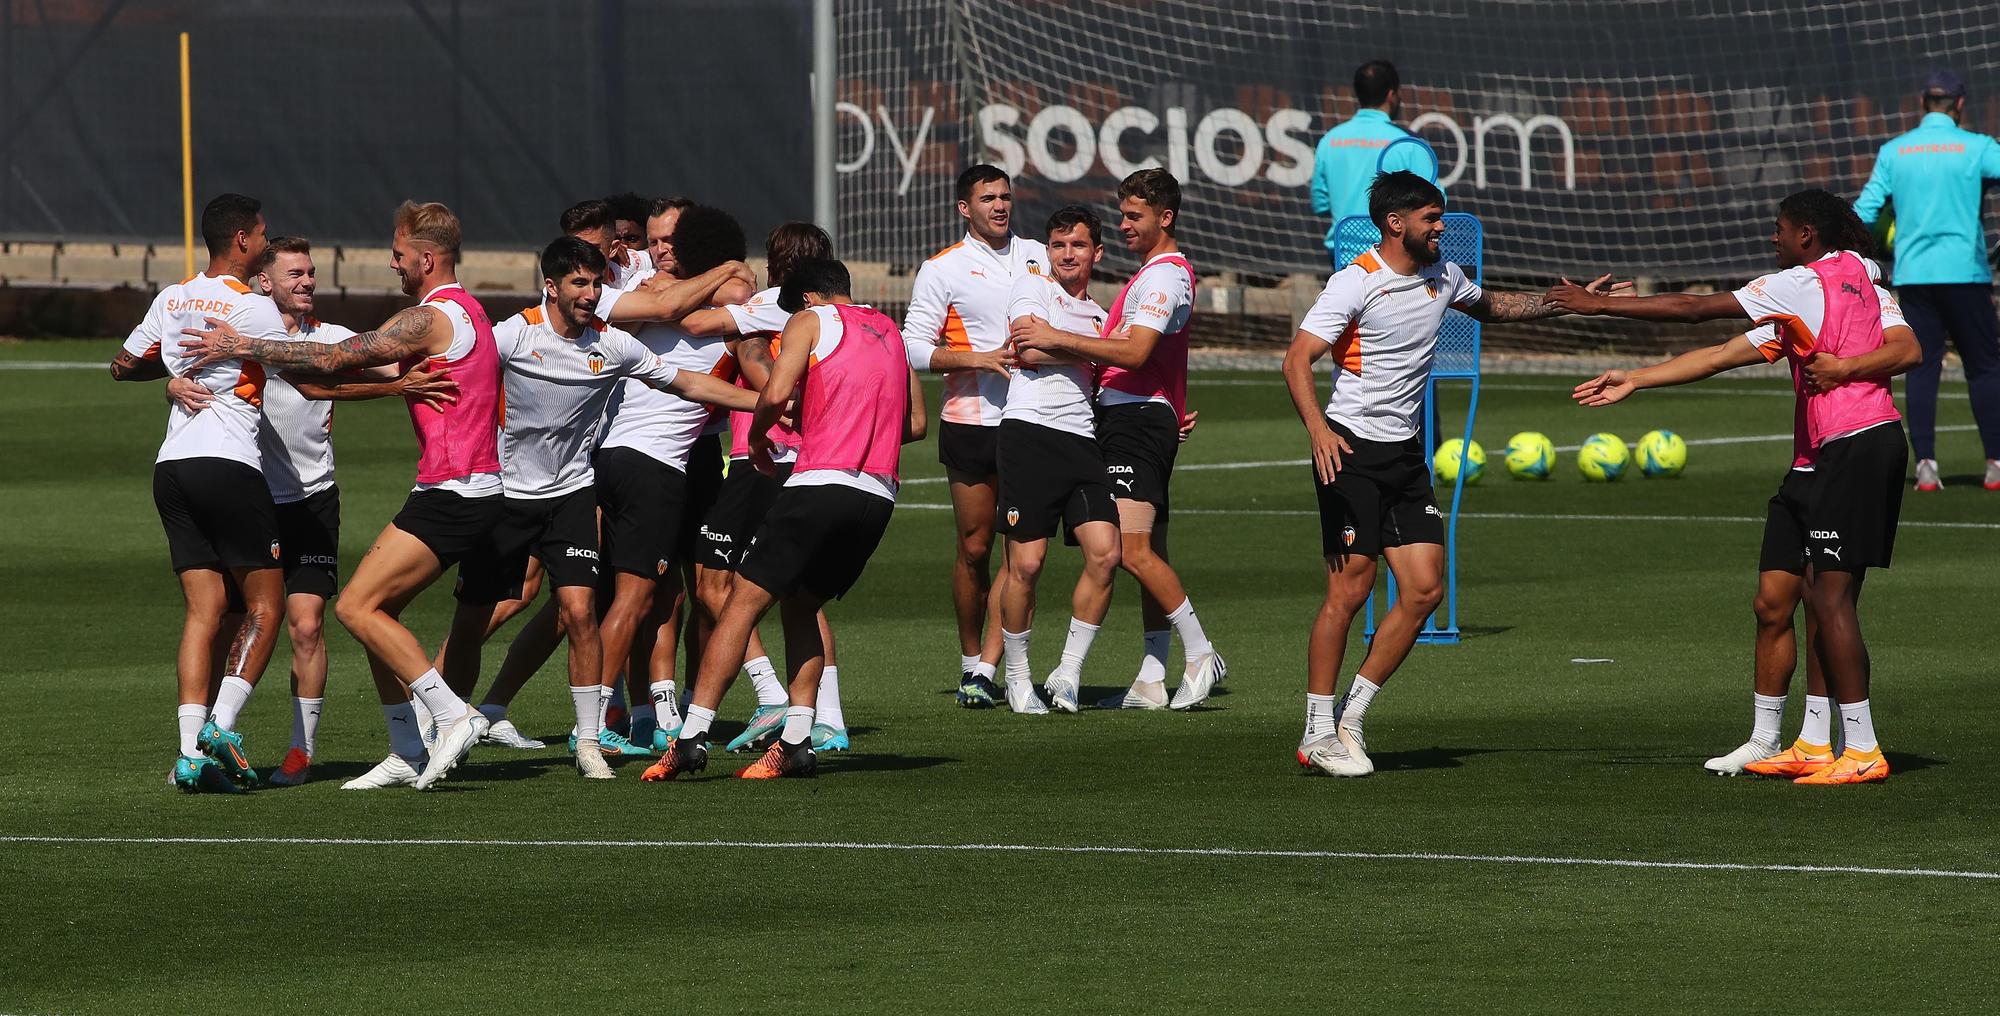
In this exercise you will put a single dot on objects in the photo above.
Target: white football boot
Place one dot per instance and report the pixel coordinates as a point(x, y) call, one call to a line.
point(1062, 688)
point(390, 772)
point(1330, 756)
point(1732, 764)
point(504, 734)
point(1203, 673)
point(1022, 699)
point(590, 762)
point(454, 743)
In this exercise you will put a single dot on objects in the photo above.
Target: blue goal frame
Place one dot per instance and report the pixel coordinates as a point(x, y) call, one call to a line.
point(1464, 244)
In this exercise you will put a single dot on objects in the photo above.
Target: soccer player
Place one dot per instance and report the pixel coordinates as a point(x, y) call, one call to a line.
point(748, 493)
point(561, 369)
point(628, 232)
point(296, 443)
point(1379, 317)
point(457, 499)
point(209, 489)
point(592, 222)
point(957, 326)
point(1142, 401)
point(1051, 469)
point(858, 402)
point(661, 219)
point(1825, 311)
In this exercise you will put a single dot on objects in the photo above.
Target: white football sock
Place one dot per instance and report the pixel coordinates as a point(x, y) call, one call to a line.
point(665, 705)
point(1319, 718)
point(305, 722)
point(603, 704)
point(1077, 645)
point(404, 740)
point(765, 678)
point(191, 719)
point(493, 711)
point(1857, 722)
point(1194, 641)
point(1154, 666)
point(798, 724)
point(697, 722)
point(827, 705)
point(1359, 693)
point(1817, 725)
point(1768, 714)
point(589, 711)
point(1014, 650)
point(229, 700)
point(966, 663)
point(984, 669)
point(445, 705)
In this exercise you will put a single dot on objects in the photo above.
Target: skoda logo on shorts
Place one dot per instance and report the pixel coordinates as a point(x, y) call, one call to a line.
point(1013, 516)
point(1347, 536)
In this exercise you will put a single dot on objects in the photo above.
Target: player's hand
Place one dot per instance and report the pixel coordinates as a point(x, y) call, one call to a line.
point(1605, 389)
point(742, 273)
point(214, 344)
point(1327, 449)
point(432, 388)
point(1031, 332)
point(1825, 372)
point(1574, 299)
point(760, 454)
point(191, 397)
point(1187, 425)
point(1603, 286)
point(995, 361)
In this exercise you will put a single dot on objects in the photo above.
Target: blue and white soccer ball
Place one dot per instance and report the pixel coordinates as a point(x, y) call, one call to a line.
point(1661, 453)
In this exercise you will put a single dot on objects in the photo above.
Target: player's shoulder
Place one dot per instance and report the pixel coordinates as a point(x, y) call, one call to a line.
point(326, 331)
point(946, 253)
point(1032, 249)
point(766, 297)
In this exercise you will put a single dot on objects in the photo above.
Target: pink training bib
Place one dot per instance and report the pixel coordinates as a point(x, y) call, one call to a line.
point(1164, 374)
point(464, 439)
point(1851, 327)
point(857, 400)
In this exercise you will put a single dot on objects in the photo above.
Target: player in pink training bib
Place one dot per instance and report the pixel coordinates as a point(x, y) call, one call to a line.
point(858, 403)
point(1835, 516)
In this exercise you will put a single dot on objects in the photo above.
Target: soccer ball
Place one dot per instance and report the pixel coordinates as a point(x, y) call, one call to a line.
point(1662, 453)
point(1603, 458)
point(1530, 455)
point(1455, 452)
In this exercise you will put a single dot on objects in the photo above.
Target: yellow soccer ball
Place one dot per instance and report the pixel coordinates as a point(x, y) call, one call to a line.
point(1603, 458)
point(1456, 454)
point(1530, 455)
point(1661, 453)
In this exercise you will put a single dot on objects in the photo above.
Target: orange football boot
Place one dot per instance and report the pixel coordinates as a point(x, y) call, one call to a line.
point(782, 760)
point(1801, 759)
point(1852, 767)
point(681, 756)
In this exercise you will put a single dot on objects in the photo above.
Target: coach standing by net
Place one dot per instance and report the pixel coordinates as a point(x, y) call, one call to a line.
point(1351, 155)
point(1936, 176)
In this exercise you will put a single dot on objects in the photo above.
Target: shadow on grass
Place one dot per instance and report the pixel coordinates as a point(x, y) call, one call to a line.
point(1435, 757)
point(1900, 763)
point(845, 762)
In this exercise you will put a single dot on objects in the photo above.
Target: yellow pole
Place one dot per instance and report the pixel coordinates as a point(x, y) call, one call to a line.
point(187, 162)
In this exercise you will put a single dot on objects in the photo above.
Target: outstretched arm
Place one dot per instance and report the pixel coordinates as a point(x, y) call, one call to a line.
point(672, 301)
point(1129, 350)
point(433, 388)
point(1491, 306)
point(708, 390)
point(1686, 308)
point(419, 330)
point(1694, 365)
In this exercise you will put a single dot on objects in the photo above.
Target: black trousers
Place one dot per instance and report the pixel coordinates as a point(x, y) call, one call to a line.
point(1963, 311)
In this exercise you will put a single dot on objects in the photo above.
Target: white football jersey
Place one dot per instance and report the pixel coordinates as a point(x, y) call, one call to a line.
point(1383, 328)
point(229, 426)
point(557, 390)
point(1058, 395)
point(297, 436)
point(959, 302)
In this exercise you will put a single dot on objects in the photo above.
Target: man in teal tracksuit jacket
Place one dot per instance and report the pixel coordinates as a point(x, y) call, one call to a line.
point(1351, 154)
point(1936, 176)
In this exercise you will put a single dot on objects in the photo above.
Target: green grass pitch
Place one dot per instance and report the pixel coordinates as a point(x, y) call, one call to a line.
point(521, 888)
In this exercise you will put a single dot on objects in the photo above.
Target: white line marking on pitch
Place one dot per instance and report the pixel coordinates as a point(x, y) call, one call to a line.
point(1528, 516)
point(1021, 848)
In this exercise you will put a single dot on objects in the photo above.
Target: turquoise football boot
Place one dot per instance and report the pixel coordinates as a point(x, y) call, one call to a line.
point(203, 776)
point(226, 748)
point(827, 738)
point(765, 724)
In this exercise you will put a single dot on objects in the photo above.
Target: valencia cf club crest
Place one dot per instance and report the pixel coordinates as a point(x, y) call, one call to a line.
point(595, 360)
point(1431, 287)
point(661, 568)
point(1034, 267)
point(274, 550)
point(1013, 516)
point(1347, 536)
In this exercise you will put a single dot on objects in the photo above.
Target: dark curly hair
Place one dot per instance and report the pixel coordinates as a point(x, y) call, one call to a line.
point(706, 236)
point(1831, 218)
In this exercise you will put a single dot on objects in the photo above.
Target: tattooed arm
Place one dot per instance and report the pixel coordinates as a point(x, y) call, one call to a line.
point(127, 367)
point(414, 331)
point(1491, 306)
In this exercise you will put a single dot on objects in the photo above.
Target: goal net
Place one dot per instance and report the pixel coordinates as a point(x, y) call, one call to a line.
point(1651, 139)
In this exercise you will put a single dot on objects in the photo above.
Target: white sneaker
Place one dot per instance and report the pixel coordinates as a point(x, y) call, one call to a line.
point(590, 763)
point(1200, 678)
point(1927, 475)
point(390, 772)
point(1330, 756)
point(1062, 687)
point(455, 742)
point(1357, 747)
point(1021, 698)
point(503, 734)
point(1992, 480)
point(1133, 698)
point(1732, 764)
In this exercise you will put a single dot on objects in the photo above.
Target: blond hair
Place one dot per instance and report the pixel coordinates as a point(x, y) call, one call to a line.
point(431, 223)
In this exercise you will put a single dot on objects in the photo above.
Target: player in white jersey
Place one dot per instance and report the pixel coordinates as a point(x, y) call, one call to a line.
point(1142, 419)
point(1051, 469)
point(1379, 317)
point(747, 493)
point(208, 486)
point(296, 441)
point(628, 234)
point(957, 326)
point(562, 367)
